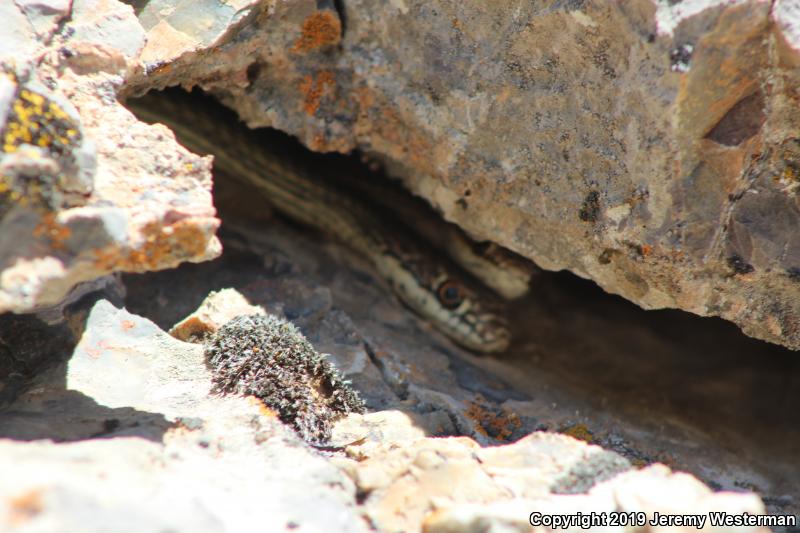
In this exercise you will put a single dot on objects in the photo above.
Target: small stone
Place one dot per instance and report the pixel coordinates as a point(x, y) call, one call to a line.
point(216, 310)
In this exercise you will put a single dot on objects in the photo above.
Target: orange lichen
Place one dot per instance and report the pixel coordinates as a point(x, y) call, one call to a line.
point(391, 133)
point(191, 328)
point(491, 424)
point(323, 28)
point(57, 233)
point(25, 506)
point(314, 89)
point(413, 144)
point(164, 244)
point(157, 70)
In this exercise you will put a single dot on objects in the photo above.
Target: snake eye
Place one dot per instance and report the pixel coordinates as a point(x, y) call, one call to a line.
point(450, 294)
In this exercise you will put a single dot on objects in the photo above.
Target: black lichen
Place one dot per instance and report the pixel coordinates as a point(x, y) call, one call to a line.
point(793, 273)
point(590, 210)
point(680, 58)
point(267, 357)
point(584, 474)
point(739, 265)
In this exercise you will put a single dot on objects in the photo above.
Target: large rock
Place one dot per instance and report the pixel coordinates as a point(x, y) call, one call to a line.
point(127, 437)
point(86, 189)
point(650, 146)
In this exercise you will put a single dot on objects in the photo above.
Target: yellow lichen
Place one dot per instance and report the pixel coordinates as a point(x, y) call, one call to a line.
point(37, 120)
point(580, 432)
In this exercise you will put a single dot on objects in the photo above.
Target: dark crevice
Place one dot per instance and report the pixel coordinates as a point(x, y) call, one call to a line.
point(338, 5)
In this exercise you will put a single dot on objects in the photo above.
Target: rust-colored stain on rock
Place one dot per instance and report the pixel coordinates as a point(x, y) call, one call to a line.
point(323, 28)
point(179, 241)
point(57, 233)
point(490, 424)
point(25, 506)
point(314, 89)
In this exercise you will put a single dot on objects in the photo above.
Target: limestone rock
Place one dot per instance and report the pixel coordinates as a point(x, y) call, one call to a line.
point(85, 189)
point(126, 437)
point(649, 146)
point(453, 485)
point(643, 491)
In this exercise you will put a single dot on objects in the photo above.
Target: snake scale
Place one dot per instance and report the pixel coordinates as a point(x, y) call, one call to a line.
point(424, 281)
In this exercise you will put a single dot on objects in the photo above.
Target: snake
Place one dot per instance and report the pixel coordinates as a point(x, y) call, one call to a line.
point(434, 288)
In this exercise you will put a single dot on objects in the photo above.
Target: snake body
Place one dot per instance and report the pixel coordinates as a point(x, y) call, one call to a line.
point(424, 282)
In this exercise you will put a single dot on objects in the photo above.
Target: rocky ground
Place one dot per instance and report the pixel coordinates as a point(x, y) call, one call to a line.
point(647, 146)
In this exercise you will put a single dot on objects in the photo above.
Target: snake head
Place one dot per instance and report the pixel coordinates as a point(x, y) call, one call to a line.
point(470, 317)
point(464, 311)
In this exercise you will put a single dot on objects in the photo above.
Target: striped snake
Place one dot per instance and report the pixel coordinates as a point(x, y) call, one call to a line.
point(430, 286)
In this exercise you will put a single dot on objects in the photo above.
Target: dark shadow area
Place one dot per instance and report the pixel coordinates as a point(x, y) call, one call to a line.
point(682, 382)
point(34, 401)
point(137, 5)
point(28, 345)
point(699, 368)
point(64, 415)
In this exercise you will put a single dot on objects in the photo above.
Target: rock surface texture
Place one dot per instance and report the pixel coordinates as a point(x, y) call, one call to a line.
point(85, 188)
point(153, 450)
point(650, 146)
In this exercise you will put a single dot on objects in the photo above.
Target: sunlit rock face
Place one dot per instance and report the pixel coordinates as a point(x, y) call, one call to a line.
point(86, 189)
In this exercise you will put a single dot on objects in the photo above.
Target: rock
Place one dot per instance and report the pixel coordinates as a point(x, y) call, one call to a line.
point(644, 491)
point(133, 407)
point(215, 311)
point(126, 437)
point(44, 15)
point(649, 147)
point(406, 480)
point(86, 190)
point(389, 426)
point(453, 485)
